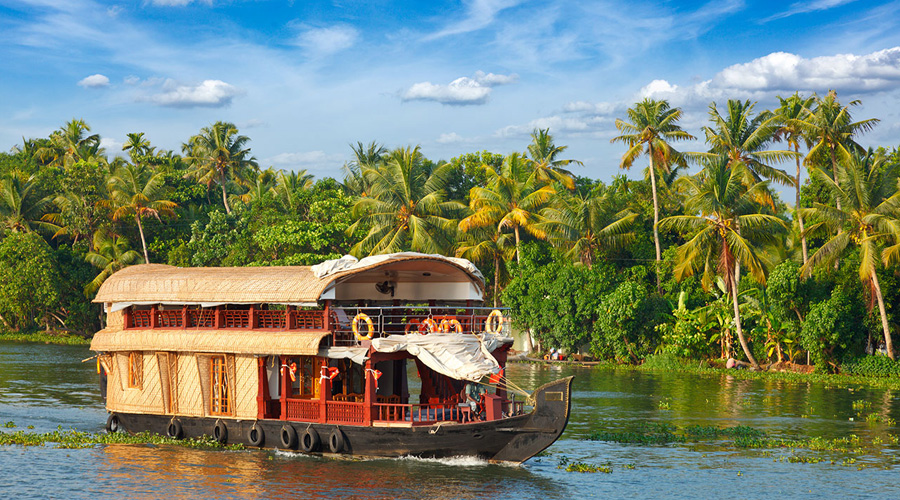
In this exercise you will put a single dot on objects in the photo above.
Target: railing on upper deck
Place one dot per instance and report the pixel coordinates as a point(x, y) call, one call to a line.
point(400, 320)
point(264, 319)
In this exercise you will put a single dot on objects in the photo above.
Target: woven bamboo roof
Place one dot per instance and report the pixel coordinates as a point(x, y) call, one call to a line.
point(159, 283)
point(303, 343)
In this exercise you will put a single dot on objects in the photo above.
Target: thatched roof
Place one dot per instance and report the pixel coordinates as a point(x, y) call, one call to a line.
point(158, 283)
point(304, 343)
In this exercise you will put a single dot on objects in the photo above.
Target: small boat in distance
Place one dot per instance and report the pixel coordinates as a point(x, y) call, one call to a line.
point(315, 359)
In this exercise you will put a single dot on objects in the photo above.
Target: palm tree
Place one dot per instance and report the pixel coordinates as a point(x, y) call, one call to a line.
point(218, 155)
point(727, 229)
point(69, 144)
point(138, 146)
point(829, 130)
point(867, 190)
point(288, 185)
point(588, 223)
point(652, 125)
point(137, 191)
point(488, 245)
point(789, 111)
point(262, 185)
point(110, 253)
point(742, 138)
point(512, 200)
point(406, 207)
point(20, 206)
point(365, 157)
point(543, 154)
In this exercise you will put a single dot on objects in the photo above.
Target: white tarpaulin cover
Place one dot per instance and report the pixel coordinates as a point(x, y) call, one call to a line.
point(349, 262)
point(356, 354)
point(462, 356)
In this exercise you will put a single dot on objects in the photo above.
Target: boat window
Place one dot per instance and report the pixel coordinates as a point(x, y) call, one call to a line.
point(221, 397)
point(306, 385)
point(135, 370)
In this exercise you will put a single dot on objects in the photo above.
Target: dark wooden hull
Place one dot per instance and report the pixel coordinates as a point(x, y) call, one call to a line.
point(513, 439)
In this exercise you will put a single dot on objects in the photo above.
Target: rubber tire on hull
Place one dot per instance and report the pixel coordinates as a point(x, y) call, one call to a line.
point(174, 429)
point(220, 432)
point(256, 436)
point(336, 441)
point(309, 441)
point(112, 424)
point(288, 437)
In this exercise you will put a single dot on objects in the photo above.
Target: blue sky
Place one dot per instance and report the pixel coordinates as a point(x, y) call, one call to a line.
point(303, 79)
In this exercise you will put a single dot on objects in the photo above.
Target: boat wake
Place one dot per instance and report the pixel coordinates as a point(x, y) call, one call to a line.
point(459, 461)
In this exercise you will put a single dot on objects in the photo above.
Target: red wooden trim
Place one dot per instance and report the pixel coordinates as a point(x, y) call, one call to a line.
point(251, 316)
point(154, 320)
point(327, 313)
point(370, 393)
point(324, 391)
point(285, 387)
point(220, 317)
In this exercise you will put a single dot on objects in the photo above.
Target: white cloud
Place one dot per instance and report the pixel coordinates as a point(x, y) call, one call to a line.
point(451, 138)
point(131, 80)
point(479, 14)
point(94, 81)
point(326, 41)
point(784, 71)
point(460, 92)
point(210, 94)
point(112, 146)
point(595, 108)
point(656, 88)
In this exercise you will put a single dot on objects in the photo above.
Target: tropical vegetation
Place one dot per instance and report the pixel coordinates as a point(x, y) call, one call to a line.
point(698, 258)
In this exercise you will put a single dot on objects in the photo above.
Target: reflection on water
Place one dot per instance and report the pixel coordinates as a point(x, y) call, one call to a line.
point(48, 386)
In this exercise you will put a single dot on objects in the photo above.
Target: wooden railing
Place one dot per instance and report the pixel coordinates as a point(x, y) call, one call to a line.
point(306, 410)
point(266, 319)
point(419, 414)
point(341, 412)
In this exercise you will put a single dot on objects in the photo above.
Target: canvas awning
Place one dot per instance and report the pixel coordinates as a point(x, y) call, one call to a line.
point(408, 273)
point(303, 343)
point(460, 356)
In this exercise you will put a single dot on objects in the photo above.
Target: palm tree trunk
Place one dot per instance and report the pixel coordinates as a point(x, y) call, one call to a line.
point(225, 197)
point(884, 322)
point(496, 278)
point(655, 222)
point(143, 241)
point(837, 199)
point(518, 249)
point(737, 325)
point(797, 207)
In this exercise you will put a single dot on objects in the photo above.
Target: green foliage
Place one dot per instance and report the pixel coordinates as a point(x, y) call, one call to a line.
point(223, 241)
point(832, 330)
point(565, 321)
point(29, 281)
point(872, 366)
point(626, 320)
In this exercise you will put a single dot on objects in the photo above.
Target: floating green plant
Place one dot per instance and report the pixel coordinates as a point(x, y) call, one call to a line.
point(74, 439)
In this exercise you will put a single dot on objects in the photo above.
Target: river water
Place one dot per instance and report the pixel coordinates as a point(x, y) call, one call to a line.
point(47, 387)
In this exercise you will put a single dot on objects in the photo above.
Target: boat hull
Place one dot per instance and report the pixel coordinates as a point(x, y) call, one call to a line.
point(513, 439)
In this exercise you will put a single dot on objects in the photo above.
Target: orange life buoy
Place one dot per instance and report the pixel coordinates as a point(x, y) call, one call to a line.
point(414, 321)
point(364, 317)
point(428, 326)
point(292, 371)
point(447, 324)
point(489, 323)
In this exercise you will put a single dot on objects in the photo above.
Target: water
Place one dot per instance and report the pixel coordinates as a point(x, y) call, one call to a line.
point(48, 386)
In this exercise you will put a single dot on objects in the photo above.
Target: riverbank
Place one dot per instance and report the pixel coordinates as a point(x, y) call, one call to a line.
point(666, 363)
point(59, 338)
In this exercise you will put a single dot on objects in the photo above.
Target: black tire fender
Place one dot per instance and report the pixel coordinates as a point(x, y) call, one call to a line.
point(220, 432)
point(256, 436)
point(288, 437)
point(309, 441)
point(174, 429)
point(113, 424)
point(336, 441)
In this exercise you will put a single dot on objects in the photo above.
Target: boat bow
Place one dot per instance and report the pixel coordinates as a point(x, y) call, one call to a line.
point(552, 404)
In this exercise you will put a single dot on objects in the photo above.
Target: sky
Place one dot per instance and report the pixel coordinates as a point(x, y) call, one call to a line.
point(304, 79)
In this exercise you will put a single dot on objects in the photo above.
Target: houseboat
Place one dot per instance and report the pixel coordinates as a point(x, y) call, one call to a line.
point(320, 359)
